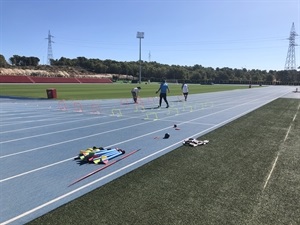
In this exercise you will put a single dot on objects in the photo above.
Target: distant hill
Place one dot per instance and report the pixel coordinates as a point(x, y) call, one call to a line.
point(57, 71)
point(51, 71)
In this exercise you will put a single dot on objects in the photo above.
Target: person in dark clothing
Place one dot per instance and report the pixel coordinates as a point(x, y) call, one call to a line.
point(164, 88)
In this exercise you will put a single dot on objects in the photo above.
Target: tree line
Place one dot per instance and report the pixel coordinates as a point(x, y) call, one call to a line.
point(155, 71)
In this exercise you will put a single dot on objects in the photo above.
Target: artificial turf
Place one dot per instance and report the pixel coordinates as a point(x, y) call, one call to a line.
point(218, 183)
point(103, 91)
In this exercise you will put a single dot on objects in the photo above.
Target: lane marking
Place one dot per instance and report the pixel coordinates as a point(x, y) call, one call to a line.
point(34, 170)
point(92, 135)
point(87, 185)
point(109, 175)
point(186, 122)
point(122, 142)
point(47, 125)
point(18, 139)
point(60, 131)
point(53, 164)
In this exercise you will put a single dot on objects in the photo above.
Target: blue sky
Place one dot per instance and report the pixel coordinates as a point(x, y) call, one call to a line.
point(249, 34)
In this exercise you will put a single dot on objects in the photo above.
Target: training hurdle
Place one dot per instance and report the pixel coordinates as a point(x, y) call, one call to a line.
point(180, 98)
point(170, 110)
point(62, 105)
point(95, 109)
point(139, 107)
point(205, 105)
point(185, 107)
point(77, 107)
point(151, 115)
point(116, 112)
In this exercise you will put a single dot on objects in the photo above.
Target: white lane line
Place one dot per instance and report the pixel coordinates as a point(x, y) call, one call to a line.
point(61, 131)
point(110, 174)
point(224, 102)
point(71, 140)
point(128, 140)
point(92, 135)
point(47, 125)
point(31, 171)
point(34, 136)
point(44, 167)
point(12, 120)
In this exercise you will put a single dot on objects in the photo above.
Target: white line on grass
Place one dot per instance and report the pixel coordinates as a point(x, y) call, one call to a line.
point(269, 176)
point(277, 156)
point(287, 133)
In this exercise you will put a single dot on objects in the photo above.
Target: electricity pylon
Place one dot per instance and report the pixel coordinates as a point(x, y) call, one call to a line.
point(290, 63)
point(49, 53)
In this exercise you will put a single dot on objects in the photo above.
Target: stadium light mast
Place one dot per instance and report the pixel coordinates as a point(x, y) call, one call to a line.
point(140, 35)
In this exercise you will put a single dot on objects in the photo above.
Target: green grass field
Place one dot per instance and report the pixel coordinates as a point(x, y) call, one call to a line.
point(219, 183)
point(102, 91)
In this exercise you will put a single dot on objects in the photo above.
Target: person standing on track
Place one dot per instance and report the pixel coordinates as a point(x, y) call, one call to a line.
point(135, 93)
point(185, 90)
point(164, 88)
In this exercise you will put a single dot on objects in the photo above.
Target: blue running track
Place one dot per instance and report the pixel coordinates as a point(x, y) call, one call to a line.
point(40, 138)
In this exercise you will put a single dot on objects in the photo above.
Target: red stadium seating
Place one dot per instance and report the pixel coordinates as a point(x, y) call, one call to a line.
point(53, 80)
point(14, 79)
point(94, 80)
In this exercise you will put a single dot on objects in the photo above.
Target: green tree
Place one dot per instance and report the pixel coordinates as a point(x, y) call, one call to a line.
point(3, 62)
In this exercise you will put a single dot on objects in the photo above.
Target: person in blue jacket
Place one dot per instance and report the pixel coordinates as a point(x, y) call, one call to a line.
point(164, 88)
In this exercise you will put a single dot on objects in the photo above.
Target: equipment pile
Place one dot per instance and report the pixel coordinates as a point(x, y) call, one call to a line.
point(194, 142)
point(98, 155)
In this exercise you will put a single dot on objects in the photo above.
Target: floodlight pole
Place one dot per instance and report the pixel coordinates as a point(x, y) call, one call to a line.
point(140, 35)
